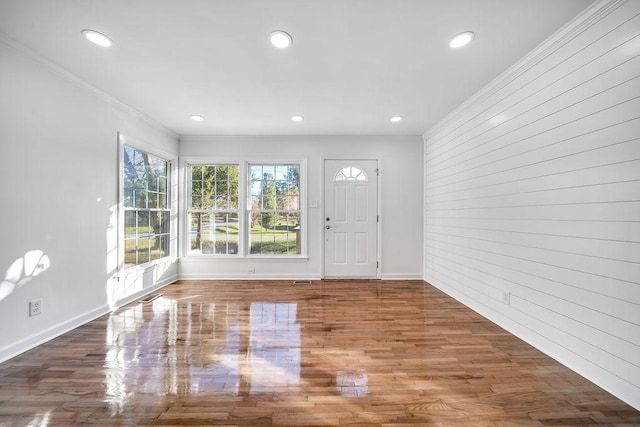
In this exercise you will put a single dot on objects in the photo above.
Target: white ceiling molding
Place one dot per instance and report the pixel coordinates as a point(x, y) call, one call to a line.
point(580, 23)
point(72, 78)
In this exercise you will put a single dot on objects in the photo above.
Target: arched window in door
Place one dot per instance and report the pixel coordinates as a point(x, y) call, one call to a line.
point(351, 173)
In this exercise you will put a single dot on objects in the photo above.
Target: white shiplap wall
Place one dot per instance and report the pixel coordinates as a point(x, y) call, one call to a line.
point(532, 188)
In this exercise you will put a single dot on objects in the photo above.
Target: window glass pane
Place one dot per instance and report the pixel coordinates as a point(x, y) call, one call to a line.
point(256, 187)
point(226, 233)
point(143, 223)
point(153, 200)
point(162, 201)
point(158, 166)
point(140, 196)
point(208, 200)
point(270, 171)
point(164, 244)
point(152, 179)
point(281, 172)
point(350, 173)
point(196, 202)
point(157, 247)
point(233, 202)
point(128, 196)
point(130, 228)
point(155, 219)
point(293, 175)
point(208, 171)
point(275, 233)
point(130, 253)
point(163, 222)
point(195, 228)
point(162, 185)
point(143, 251)
point(196, 187)
point(255, 202)
point(255, 171)
point(290, 203)
point(201, 232)
point(196, 173)
point(222, 188)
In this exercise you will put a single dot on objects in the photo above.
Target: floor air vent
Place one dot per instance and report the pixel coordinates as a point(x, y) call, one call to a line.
point(302, 282)
point(150, 298)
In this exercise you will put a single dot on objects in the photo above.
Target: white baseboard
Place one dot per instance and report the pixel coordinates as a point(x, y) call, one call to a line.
point(594, 373)
point(146, 291)
point(402, 276)
point(14, 349)
point(9, 351)
point(214, 276)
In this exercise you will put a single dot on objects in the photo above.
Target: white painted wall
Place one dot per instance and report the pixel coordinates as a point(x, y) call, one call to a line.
point(532, 187)
point(401, 210)
point(58, 193)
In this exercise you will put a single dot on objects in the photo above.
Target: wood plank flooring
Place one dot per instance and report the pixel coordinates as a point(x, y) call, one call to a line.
point(275, 353)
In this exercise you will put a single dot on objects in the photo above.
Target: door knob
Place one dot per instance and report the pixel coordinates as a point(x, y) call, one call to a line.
point(327, 227)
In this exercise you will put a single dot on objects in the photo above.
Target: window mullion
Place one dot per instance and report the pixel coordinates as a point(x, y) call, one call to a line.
point(243, 194)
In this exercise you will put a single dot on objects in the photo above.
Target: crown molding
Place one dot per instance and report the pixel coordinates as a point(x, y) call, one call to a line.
point(28, 53)
point(577, 25)
point(279, 137)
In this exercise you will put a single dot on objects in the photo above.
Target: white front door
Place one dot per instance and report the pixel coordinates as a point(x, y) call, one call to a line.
point(351, 218)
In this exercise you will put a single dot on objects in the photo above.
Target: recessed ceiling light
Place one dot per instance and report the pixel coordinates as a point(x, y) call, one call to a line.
point(97, 38)
point(280, 39)
point(461, 39)
point(396, 119)
point(297, 118)
point(197, 118)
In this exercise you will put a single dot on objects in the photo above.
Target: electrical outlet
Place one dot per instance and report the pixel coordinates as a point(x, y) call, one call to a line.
point(506, 297)
point(35, 307)
point(251, 271)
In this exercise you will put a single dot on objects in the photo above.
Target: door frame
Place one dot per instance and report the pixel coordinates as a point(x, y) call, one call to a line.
point(378, 207)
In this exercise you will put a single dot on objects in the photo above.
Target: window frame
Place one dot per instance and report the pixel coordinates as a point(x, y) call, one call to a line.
point(243, 205)
point(188, 208)
point(249, 209)
point(172, 202)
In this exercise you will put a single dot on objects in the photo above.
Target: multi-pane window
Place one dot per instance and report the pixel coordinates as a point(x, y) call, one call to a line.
point(274, 209)
point(236, 211)
point(146, 206)
point(214, 209)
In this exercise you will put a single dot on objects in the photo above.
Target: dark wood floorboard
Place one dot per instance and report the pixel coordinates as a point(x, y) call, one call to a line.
point(279, 354)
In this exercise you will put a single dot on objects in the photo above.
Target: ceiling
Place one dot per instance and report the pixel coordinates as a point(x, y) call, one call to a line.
point(352, 66)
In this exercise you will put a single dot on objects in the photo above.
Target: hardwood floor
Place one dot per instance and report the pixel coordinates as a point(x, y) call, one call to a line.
point(276, 353)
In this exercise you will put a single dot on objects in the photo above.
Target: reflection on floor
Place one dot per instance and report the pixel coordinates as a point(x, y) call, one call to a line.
point(275, 353)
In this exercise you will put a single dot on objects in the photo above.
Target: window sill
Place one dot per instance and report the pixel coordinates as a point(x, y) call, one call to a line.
point(150, 264)
point(237, 258)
